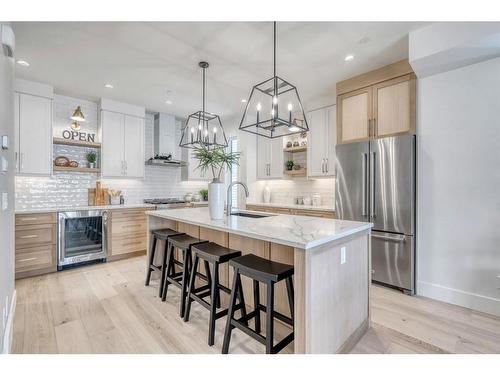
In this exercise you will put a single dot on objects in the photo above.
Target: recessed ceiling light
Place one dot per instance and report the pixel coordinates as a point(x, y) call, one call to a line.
point(349, 58)
point(23, 63)
point(108, 86)
point(243, 100)
point(168, 102)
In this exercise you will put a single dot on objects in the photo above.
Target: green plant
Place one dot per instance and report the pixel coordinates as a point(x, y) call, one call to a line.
point(91, 157)
point(204, 194)
point(289, 164)
point(215, 159)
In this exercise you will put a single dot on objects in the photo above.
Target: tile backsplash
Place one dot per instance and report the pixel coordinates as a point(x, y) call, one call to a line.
point(66, 188)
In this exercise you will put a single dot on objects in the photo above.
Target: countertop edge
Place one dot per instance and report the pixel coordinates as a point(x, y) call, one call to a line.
point(293, 206)
point(82, 208)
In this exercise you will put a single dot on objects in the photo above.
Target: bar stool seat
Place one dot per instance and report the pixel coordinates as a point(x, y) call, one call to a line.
point(158, 235)
point(214, 254)
point(269, 273)
point(180, 279)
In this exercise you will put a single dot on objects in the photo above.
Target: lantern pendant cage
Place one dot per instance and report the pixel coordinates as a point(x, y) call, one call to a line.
point(274, 108)
point(202, 128)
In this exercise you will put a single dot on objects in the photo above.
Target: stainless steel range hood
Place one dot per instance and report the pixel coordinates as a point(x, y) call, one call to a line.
point(164, 142)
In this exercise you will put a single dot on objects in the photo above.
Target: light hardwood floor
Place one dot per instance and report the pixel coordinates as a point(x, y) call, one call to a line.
point(107, 309)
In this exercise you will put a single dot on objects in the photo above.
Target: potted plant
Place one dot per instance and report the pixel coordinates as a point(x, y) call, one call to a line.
point(91, 158)
point(289, 165)
point(204, 194)
point(215, 160)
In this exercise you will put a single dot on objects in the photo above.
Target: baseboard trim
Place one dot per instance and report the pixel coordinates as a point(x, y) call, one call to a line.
point(459, 297)
point(9, 328)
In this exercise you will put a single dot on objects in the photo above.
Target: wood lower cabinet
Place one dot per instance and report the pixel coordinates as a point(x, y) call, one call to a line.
point(292, 211)
point(127, 233)
point(35, 244)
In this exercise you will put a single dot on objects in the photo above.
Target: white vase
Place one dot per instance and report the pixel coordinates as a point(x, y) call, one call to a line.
point(267, 195)
point(216, 200)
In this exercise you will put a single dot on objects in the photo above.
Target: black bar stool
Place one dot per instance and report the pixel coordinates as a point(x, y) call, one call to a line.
point(214, 254)
point(180, 279)
point(159, 234)
point(269, 273)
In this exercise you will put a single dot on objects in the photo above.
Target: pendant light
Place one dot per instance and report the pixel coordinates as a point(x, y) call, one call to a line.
point(203, 129)
point(78, 115)
point(274, 108)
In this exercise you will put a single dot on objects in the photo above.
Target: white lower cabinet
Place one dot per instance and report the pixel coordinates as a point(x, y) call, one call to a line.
point(122, 145)
point(321, 142)
point(33, 143)
point(269, 157)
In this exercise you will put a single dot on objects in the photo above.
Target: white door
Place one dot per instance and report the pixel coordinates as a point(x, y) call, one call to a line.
point(263, 157)
point(134, 146)
point(276, 158)
point(113, 133)
point(331, 140)
point(316, 152)
point(35, 135)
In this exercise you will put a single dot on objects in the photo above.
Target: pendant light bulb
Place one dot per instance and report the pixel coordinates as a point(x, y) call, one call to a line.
point(272, 112)
point(259, 106)
point(290, 106)
point(275, 99)
point(192, 129)
point(215, 130)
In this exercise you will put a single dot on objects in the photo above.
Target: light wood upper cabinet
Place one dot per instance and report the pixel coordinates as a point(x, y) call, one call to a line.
point(354, 115)
point(377, 104)
point(33, 116)
point(394, 106)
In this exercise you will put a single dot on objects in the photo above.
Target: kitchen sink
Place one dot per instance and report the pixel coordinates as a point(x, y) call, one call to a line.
point(249, 214)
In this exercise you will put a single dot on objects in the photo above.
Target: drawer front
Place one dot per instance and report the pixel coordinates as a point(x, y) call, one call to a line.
point(126, 215)
point(128, 244)
point(120, 228)
point(30, 219)
point(34, 258)
point(34, 235)
point(324, 214)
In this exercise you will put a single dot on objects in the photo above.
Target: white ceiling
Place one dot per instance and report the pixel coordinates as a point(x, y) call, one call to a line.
point(145, 60)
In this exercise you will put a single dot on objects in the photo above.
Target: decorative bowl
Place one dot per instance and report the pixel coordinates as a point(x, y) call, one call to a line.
point(61, 161)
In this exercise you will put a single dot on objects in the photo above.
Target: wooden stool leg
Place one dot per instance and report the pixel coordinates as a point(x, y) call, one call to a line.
point(256, 303)
point(230, 314)
point(170, 255)
point(289, 291)
point(213, 304)
point(151, 259)
point(191, 288)
point(269, 318)
point(163, 269)
point(185, 275)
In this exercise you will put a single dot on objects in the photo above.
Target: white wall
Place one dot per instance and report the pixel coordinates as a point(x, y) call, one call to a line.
point(459, 186)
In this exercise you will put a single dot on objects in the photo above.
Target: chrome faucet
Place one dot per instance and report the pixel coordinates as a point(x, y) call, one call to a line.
point(229, 200)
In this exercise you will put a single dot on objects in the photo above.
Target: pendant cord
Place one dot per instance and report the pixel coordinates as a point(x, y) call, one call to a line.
point(274, 48)
point(203, 95)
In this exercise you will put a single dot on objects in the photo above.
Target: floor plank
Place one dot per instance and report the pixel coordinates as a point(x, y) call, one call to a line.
point(106, 308)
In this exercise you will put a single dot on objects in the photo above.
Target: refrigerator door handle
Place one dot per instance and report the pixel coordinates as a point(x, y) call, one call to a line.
point(363, 184)
point(390, 237)
point(372, 185)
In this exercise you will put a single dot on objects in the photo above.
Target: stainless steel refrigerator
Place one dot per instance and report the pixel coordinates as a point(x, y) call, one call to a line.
point(376, 183)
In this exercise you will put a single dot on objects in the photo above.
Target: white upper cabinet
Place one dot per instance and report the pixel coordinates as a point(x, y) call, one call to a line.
point(33, 144)
point(122, 136)
point(321, 142)
point(269, 158)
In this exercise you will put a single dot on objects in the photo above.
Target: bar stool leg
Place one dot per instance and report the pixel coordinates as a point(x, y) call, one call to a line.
point(270, 318)
point(213, 306)
point(191, 288)
point(169, 268)
point(289, 291)
point(256, 303)
point(151, 259)
point(185, 275)
point(230, 313)
point(163, 269)
point(241, 297)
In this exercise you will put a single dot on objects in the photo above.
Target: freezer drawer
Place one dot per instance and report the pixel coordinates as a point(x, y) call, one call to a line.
point(393, 259)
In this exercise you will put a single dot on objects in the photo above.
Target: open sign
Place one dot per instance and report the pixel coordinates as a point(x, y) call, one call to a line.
point(78, 136)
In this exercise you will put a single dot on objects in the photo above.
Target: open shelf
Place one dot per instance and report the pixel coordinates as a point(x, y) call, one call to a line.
point(77, 169)
point(300, 173)
point(295, 149)
point(70, 142)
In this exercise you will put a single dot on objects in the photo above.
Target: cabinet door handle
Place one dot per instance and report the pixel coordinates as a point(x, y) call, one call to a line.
point(326, 164)
point(21, 156)
point(29, 219)
point(29, 236)
point(374, 127)
point(27, 259)
point(17, 160)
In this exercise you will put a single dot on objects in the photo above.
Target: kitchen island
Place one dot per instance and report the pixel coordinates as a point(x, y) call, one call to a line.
point(331, 260)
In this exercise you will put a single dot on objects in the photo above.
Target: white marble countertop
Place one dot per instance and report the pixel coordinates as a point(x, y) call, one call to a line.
point(291, 230)
point(82, 208)
point(294, 206)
